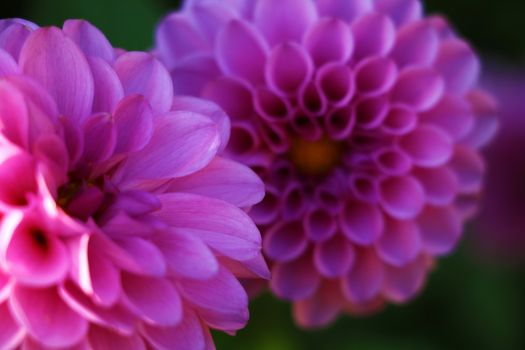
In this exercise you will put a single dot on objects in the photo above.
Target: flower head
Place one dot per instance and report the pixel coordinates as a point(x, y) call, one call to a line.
point(120, 226)
point(363, 119)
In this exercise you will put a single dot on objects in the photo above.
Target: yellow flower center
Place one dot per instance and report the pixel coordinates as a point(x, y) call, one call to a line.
point(315, 158)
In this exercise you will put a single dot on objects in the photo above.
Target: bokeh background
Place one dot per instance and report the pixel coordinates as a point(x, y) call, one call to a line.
point(473, 300)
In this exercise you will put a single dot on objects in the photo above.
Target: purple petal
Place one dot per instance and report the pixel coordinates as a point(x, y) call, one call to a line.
point(58, 64)
point(241, 51)
point(400, 243)
point(295, 280)
point(191, 74)
point(288, 68)
point(340, 123)
point(402, 197)
point(134, 124)
point(319, 225)
point(440, 184)
point(233, 96)
point(14, 35)
point(226, 308)
point(417, 44)
point(108, 89)
point(453, 114)
point(440, 228)
point(346, 10)
point(46, 317)
point(329, 40)
point(13, 115)
point(402, 283)
point(148, 259)
point(362, 223)
point(458, 64)
point(226, 229)
point(401, 11)
point(182, 143)
point(285, 242)
point(400, 120)
point(374, 35)
point(420, 88)
point(469, 168)
point(221, 179)
point(100, 135)
point(89, 38)
point(375, 76)
point(427, 146)
point(335, 257)
point(8, 66)
point(141, 73)
point(336, 82)
point(363, 282)
point(103, 338)
point(284, 20)
point(156, 300)
point(321, 308)
point(268, 209)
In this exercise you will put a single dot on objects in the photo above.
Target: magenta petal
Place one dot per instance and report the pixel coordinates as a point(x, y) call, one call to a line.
point(8, 65)
point(210, 16)
point(402, 283)
point(267, 210)
point(134, 124)
point(402, 197)
point(100, 137)
point(401, 11)
point(108, 89)
point(185, 142)
point(329, 40)
point(89, 38)
point(46, 317)
point(284, 20)
point(58, 64)
point(375, 75)
point(334, 257)
point(285, 242)
point(227, 229)
point(13, 115)
point(12, 334)
point(241, 51)
point(221, 180)
point(374, 35)
point(420, 88)
point(417, 44)
point(452, 114)
point(400, 120)
point(440, 184)
point(400, 243)
point(440, 229)
point(142, 73)
point(288, 68)
point(187, 256)
point(346, 10)
point(458, 64)
point(187, 335)
point(427, 146)
point(232, 95)
point(208, 109)
point(319, 225)
point(486, 123)
point(336, 83)
point(362, 223)
point(148, 257)
point(14, 35)
point(225, 308)
point(156, 300)
point(103, 338)
point(363, 282)
point(295, 280)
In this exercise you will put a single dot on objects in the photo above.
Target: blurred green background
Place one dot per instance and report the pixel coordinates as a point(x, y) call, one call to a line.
point(470, 301)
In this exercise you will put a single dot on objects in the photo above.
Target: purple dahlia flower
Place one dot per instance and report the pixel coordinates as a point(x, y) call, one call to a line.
point(501, 223)
point(363, 119)
point(120, 226)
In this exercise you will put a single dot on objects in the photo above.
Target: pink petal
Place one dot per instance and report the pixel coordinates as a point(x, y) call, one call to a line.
point(89, 38)
point(182, 143)
point(226, 308)
point(453, 114)
point(374, 35)
point(13, 115)
point(362, 223)
point(400, 120)
point(334, 257)
point(288, 68)
point(440, 228)
point(440, 184)
point(402, 283)
point(417, 44)
point(375, 76)
point(108, 89)
point(141, 73)
point(400, 243)
point(187, 256)
point(100, 135)
point(419, 88)
point(321, 308)
point(285, 242)
point(221, 179)
point(486, 123)
point(402, 197)
point(392, 161)
point(46, 317)
point(329, 40)
point(208, 109)
point(226, 228)
point(371, 111)
point(241, 51)
point(155, 300)
point(427, 146)
point(134, 124)
point(148, 257)
point(363, 282)
point(458, 64)
point(401, 11)
point(346, 10)
point(295, 280)
point(103, 338)
point(58, 64)
point(12, 333)
point(284, 20)
point(187, 335)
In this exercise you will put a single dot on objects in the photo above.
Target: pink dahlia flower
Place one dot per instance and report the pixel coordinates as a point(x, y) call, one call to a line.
point(363, 119)
point(501, 222)
point(120, 226)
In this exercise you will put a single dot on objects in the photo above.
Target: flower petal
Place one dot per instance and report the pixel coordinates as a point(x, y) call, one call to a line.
point(89, 38)
point(400, 243)
point(134, 124)
point(103, 338)
point(12, 333)
point(295, 280)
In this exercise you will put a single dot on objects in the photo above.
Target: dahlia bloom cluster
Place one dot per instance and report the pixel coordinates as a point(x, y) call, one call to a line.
point(363, 118)
point(501, 223)
point(120, 226)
